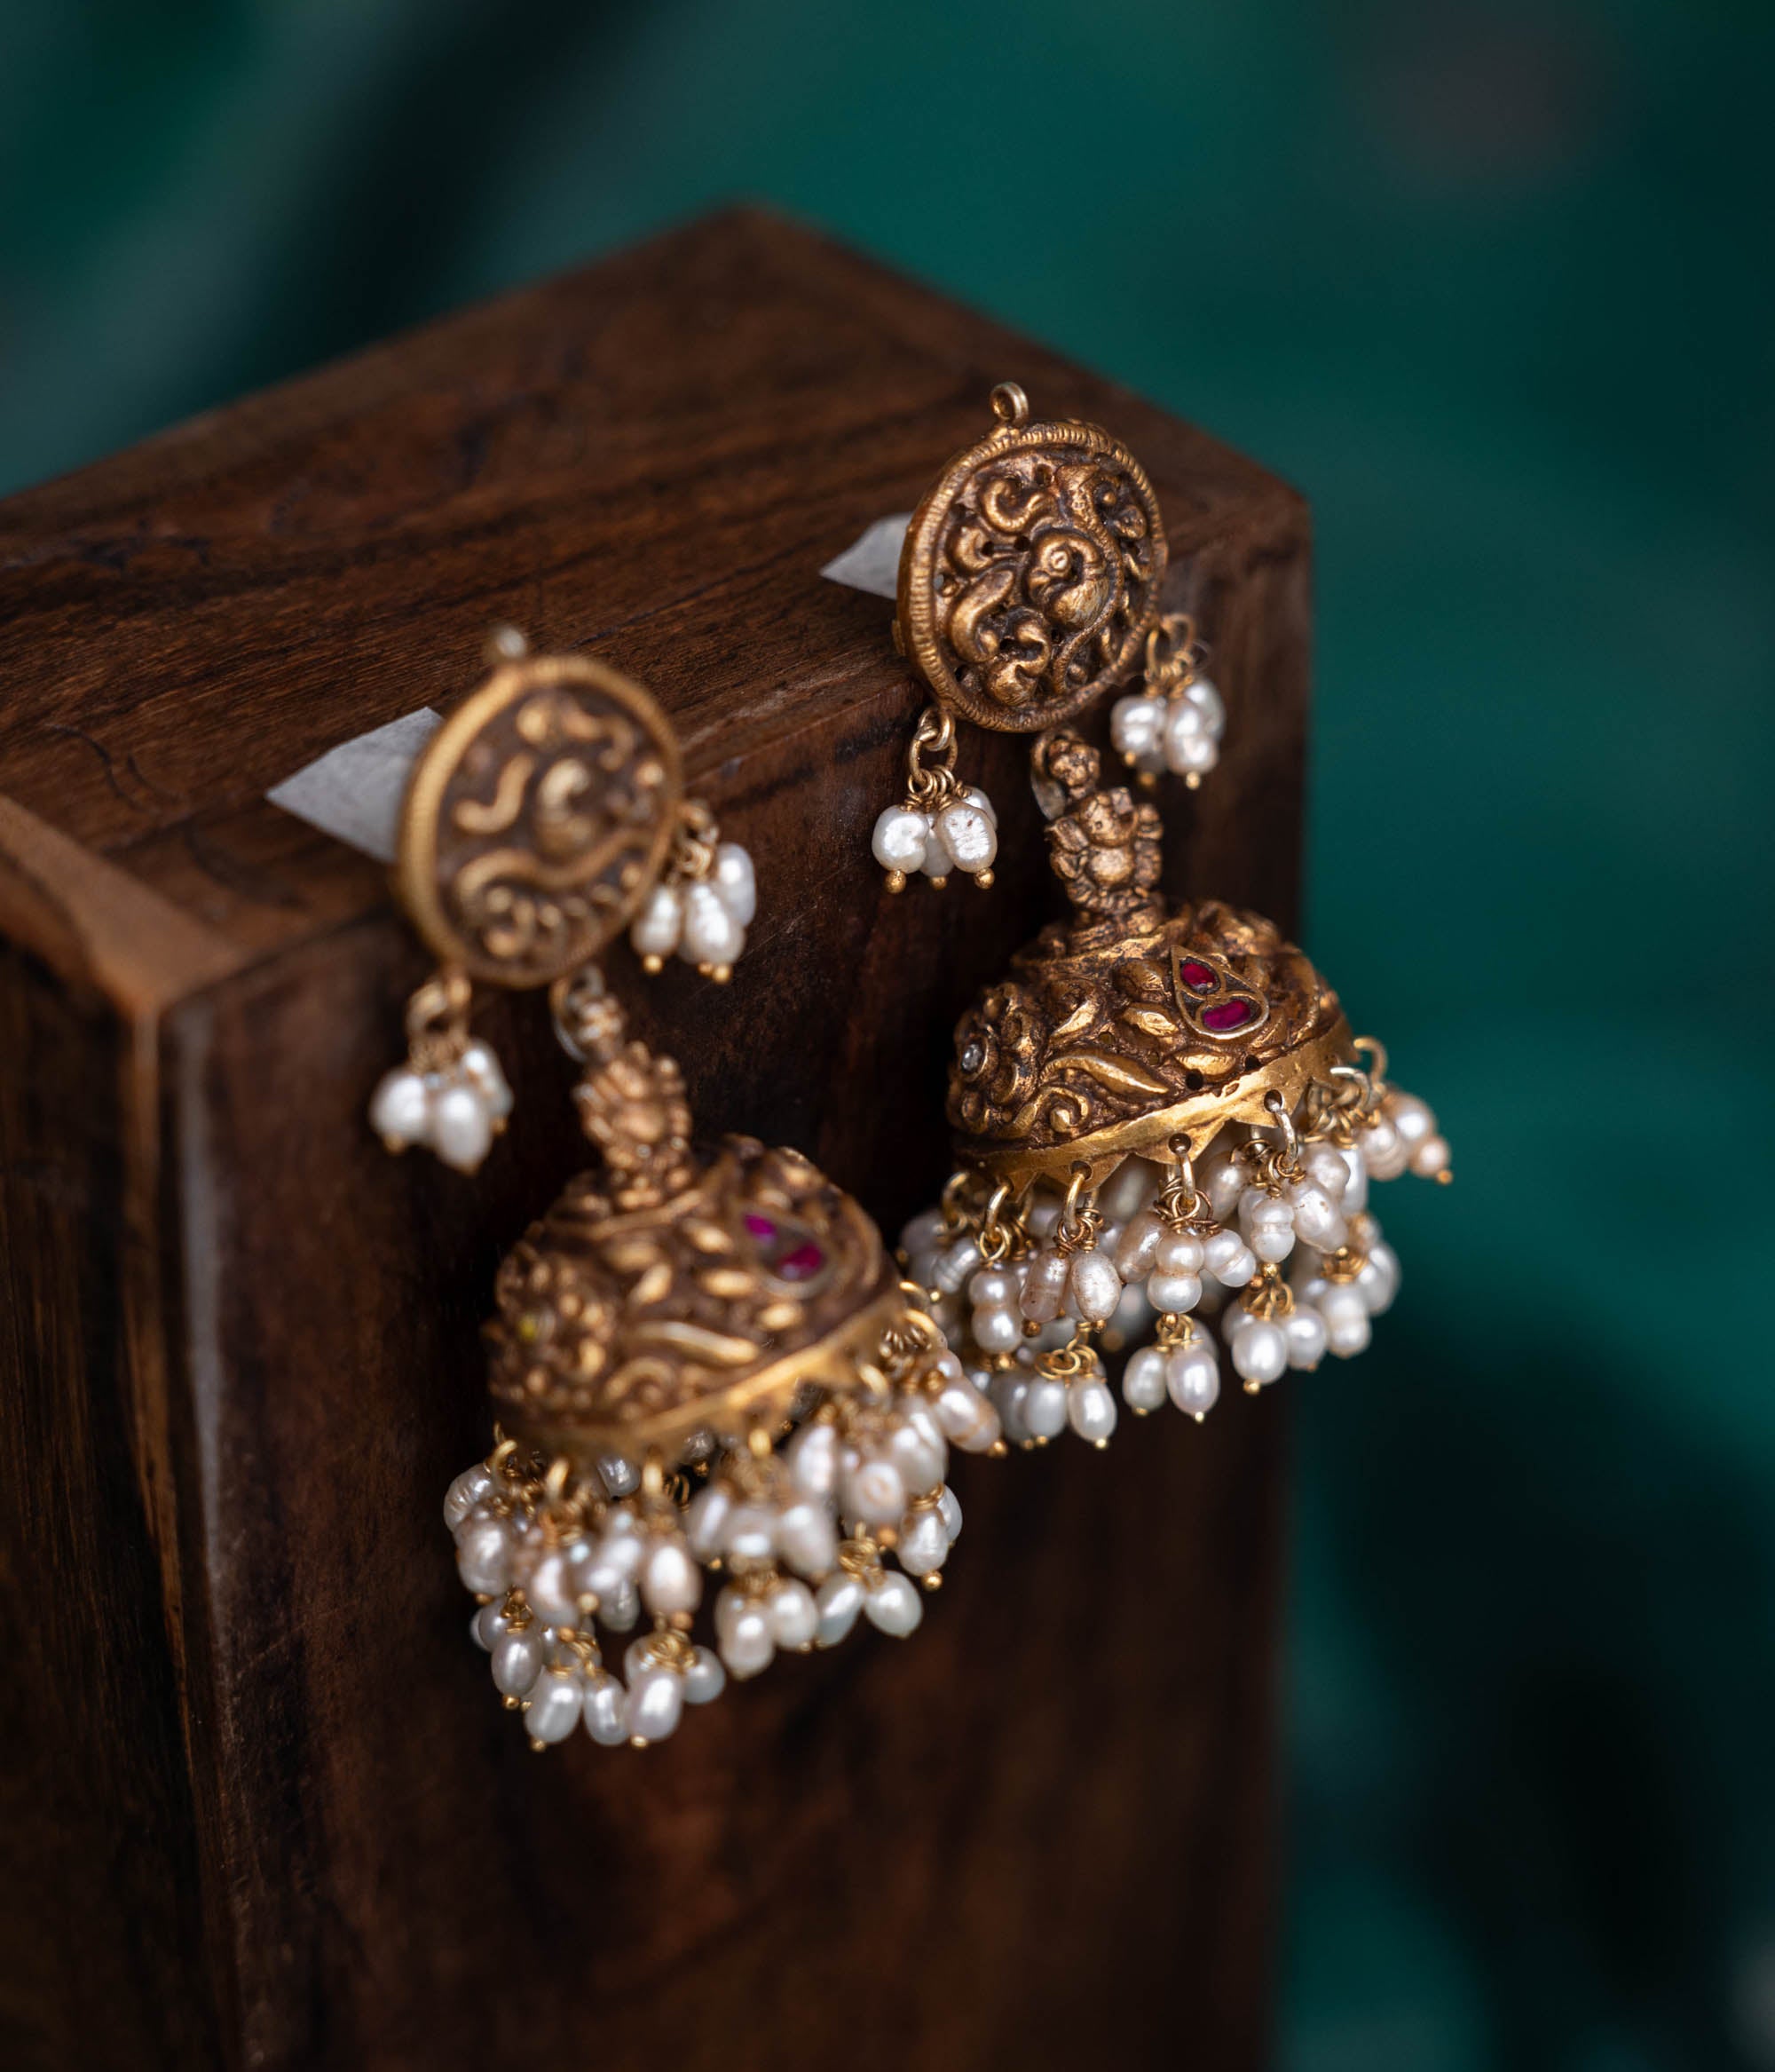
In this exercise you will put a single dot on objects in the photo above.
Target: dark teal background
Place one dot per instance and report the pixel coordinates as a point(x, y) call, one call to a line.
point(1493, 285)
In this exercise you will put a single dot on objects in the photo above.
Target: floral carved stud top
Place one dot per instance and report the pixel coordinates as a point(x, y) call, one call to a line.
point(1030, 574)
point(547, 800)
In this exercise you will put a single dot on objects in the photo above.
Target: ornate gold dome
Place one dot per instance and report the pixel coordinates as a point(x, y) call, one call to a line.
point(630, 1324)
point(1131, 1023)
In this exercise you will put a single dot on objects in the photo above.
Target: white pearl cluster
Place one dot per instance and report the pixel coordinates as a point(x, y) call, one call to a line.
point(1403, 1138)
point(450, 1097)
point(803, 1536)
point(546, 1589)
point(1134, 1260)
point(959, 835)
point(455, 1109)
point(1180, 730)
point(702, 921)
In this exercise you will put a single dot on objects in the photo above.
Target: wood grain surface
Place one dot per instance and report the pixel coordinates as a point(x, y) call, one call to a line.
point(261, 1806)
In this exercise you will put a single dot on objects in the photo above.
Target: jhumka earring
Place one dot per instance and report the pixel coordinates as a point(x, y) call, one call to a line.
point(700, 1358)
point(1160, 1108)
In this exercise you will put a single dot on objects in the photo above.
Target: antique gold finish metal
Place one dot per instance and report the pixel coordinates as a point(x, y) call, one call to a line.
point(1132, 1025)
point(1143, 1135)
point(538, 816)
point(673, 1292)
point(438, 1020)
point(1136, 1036)
point(1030, 579)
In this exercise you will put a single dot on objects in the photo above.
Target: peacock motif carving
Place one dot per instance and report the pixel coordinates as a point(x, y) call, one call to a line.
point(1030, 574)
point(545, 805)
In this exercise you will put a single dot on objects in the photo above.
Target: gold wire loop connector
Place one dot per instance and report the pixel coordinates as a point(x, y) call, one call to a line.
point(932, 784)
point(1010, 404)
point(953, 1203)
point(438, 1019)
point(588, 1021)
point(1179, 1202)
point(1067, 1362)
point(1279, 1114)
point(1079, 1221)
point(996, 1238)
point(1184, 655)
point(694, 841)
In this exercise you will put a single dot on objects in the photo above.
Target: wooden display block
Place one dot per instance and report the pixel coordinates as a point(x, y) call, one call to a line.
point(258, 1806)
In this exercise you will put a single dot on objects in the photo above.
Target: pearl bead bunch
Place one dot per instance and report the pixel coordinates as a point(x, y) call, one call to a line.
point(803, 1536)
point(801, 1533)
point(959, 835)
point(940, 825)
point(1031, 1303)
point(1180, 730)
point(450, 1095)
point(703, 920)
point(1402, 1137)
point(453, 1109)
point(1177, 721)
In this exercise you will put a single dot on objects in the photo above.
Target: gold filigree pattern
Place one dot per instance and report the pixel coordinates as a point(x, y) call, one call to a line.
point(537, 818)
point(1123, 1035)
point(620, 1330)
point(1031, 573)
point(1127, 1016)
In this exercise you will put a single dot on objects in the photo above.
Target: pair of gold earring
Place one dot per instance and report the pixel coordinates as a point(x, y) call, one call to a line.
point(709, 1360)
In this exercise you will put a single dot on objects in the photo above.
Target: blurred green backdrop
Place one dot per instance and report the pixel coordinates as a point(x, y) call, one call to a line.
point(1493, 284)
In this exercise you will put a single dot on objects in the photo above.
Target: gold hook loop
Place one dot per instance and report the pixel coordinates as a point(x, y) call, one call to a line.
point(1177, 631)
point(1181, 1201)
point(1076, 1224)
point(1284, 1122)
point(951, 1205)
point(588, 1019)
point(438, 1019)
point(694, 841)
point(1010, 405)
point(931, 785)
point(996, 1238)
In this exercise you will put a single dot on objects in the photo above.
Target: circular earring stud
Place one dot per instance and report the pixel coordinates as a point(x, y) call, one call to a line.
point(1029, 584)
point(545, 816)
